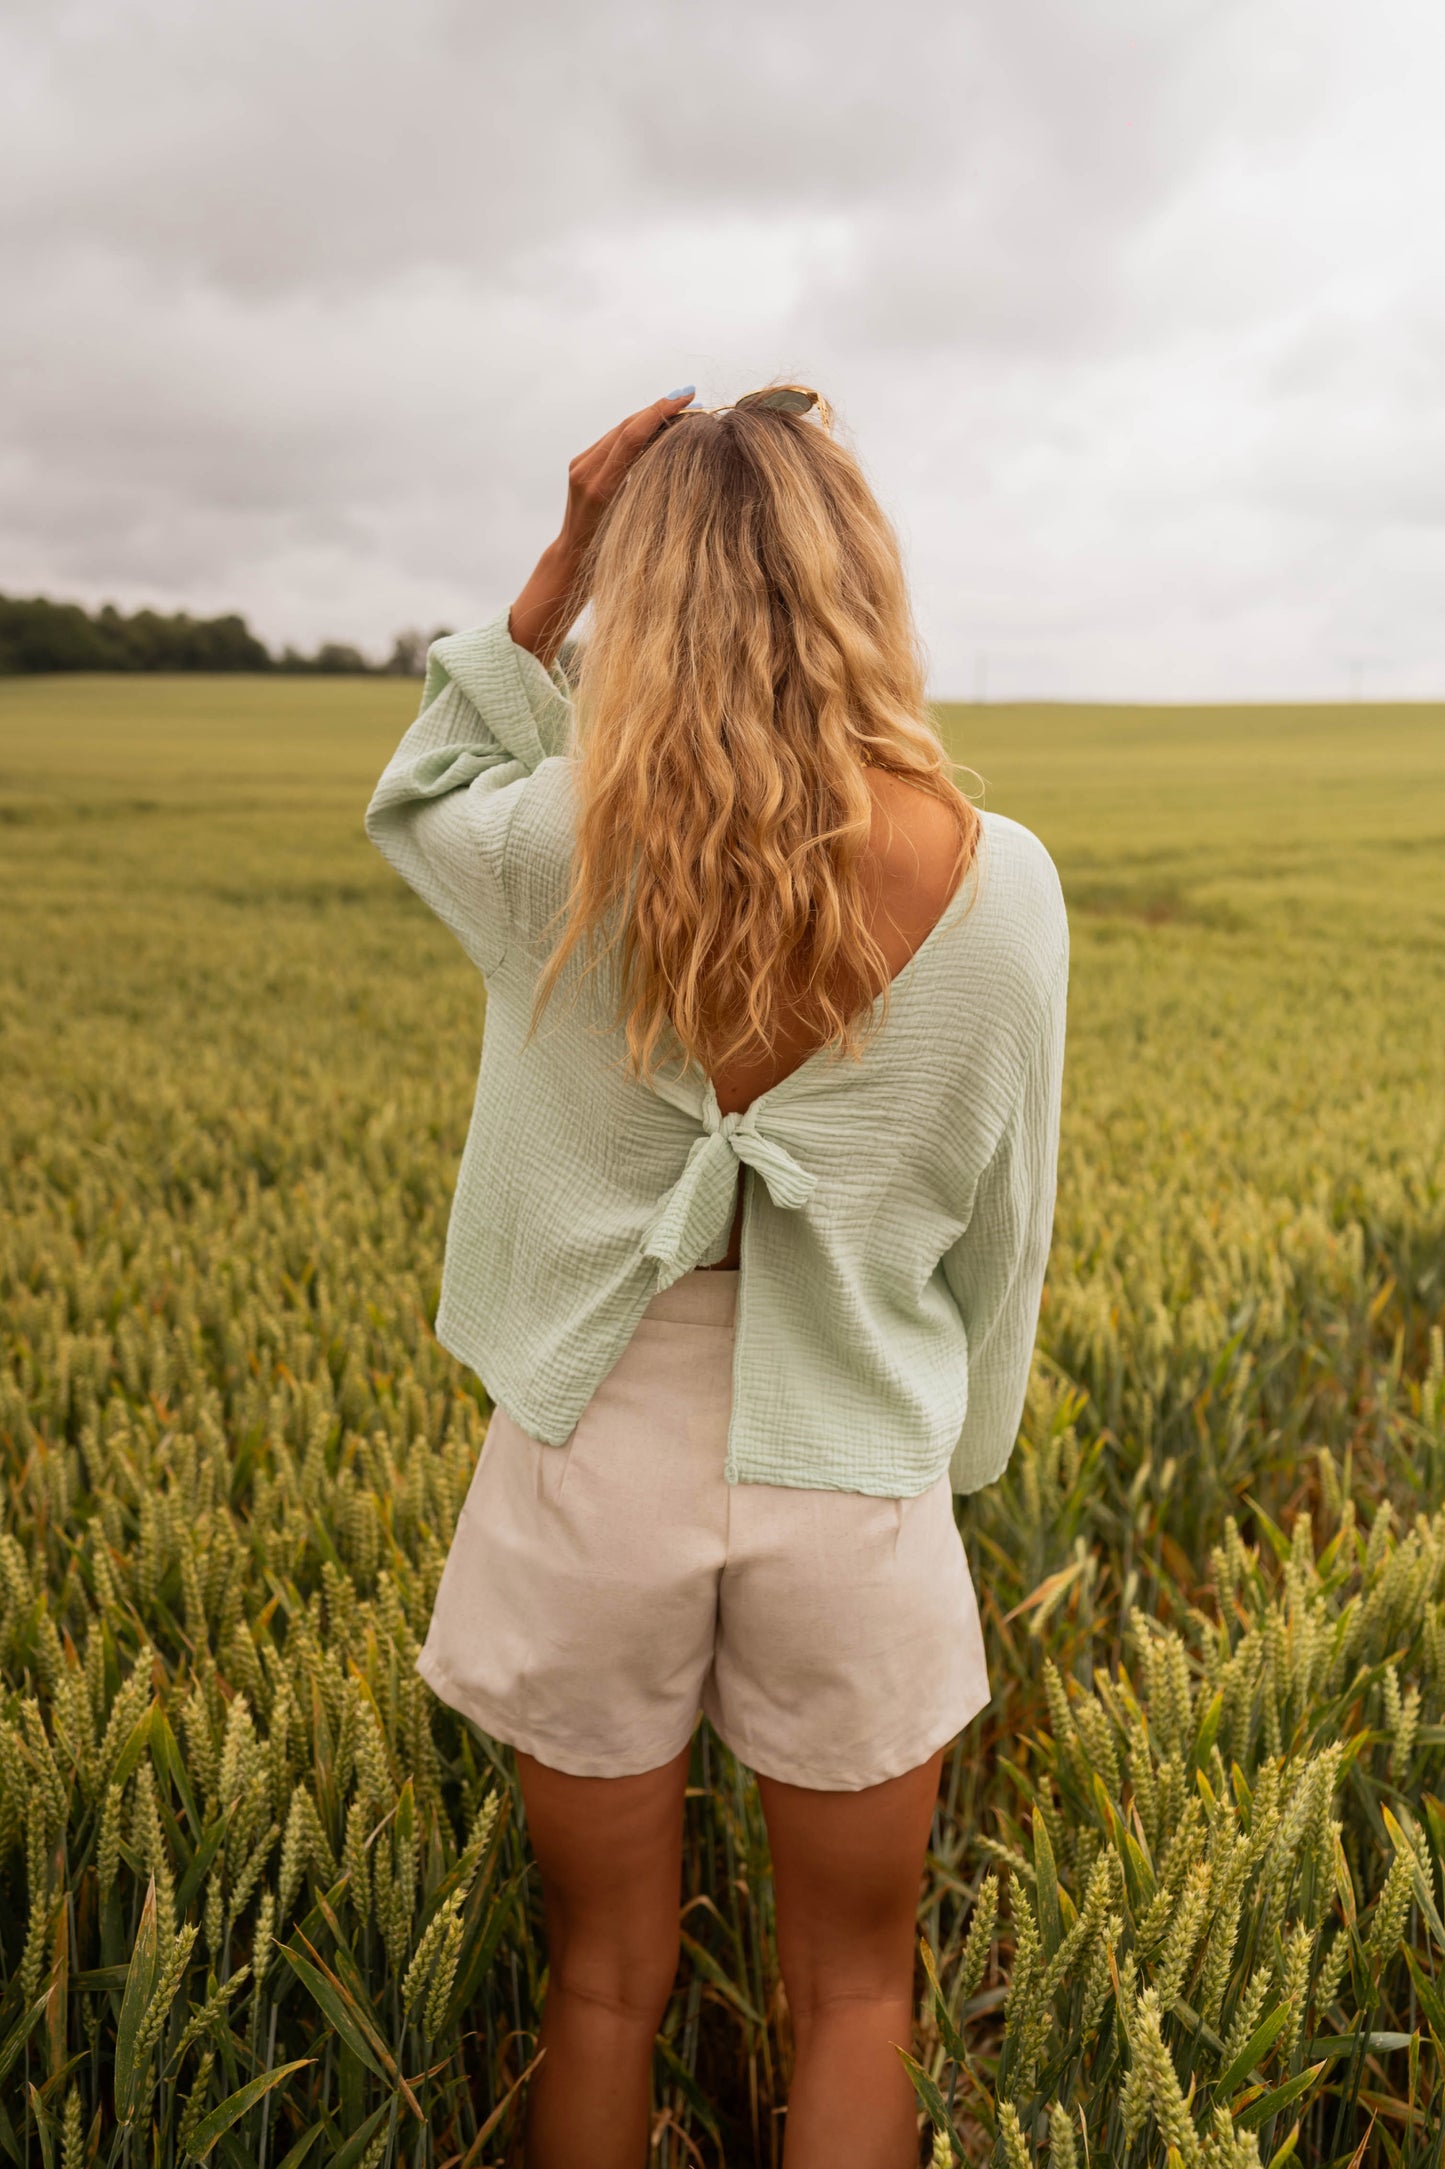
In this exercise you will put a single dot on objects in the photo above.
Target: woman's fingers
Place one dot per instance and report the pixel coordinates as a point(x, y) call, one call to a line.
point(594, 476)
point(639, 428)
point(647, 421)
point(628, 437)
point(634, 435)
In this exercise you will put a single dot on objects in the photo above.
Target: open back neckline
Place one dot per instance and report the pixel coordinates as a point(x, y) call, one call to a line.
point(829, 1048)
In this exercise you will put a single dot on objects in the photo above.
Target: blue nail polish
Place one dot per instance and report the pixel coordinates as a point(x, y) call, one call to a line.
point(684, 391)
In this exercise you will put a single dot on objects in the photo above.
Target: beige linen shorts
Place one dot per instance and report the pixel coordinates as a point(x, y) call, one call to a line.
point(599, 1593)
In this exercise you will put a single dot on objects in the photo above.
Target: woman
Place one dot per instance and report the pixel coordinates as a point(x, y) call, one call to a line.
point(749, 1234)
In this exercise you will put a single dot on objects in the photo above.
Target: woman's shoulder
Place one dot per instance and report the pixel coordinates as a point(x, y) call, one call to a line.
point(1019, 860)
point(1019, 847)
point(1023, 921)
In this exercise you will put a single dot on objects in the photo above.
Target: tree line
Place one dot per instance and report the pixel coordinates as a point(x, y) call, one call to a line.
point(37, 634)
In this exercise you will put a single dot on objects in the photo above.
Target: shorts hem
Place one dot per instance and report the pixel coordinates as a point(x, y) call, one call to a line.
point(493, 1719)
point(896, 1762)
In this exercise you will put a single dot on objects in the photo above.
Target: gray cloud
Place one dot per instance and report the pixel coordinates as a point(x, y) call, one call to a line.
point(1133, 311)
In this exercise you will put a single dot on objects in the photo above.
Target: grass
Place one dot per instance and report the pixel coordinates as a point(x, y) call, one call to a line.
point(239, 1061)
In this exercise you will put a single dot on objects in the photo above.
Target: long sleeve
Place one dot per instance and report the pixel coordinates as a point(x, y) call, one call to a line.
point(490, 714)
point(995, 1270)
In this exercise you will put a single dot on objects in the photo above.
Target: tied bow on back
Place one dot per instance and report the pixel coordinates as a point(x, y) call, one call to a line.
point(695, 1215)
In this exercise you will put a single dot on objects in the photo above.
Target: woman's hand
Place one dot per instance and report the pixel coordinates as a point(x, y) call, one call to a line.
point(552, 598)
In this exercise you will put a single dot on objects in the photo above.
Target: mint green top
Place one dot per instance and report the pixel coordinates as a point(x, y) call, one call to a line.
point(897, 1211)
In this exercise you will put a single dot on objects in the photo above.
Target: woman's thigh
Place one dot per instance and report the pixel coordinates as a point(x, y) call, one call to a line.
point(609, 1850)
point(847, 1869)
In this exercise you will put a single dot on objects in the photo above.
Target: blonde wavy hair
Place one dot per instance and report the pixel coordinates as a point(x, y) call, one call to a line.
point(752, 651)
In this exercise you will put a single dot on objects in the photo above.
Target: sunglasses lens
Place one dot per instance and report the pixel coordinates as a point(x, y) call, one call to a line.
point(789, 398)
point(784, 398)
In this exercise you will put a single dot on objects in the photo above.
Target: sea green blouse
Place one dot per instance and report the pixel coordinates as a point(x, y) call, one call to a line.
point(897, 1210)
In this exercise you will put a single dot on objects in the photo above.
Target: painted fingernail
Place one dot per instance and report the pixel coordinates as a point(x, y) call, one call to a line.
point(684, 391)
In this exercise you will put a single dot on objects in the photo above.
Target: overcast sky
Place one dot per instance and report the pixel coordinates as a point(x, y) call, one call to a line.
point(1133, 309)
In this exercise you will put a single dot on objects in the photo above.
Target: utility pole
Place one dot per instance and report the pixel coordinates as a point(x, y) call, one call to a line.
point(1357, 665)
point(980, 680)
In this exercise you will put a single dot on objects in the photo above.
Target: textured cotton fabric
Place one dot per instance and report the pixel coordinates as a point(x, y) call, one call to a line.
point(897, 1210)
point(597, 1595)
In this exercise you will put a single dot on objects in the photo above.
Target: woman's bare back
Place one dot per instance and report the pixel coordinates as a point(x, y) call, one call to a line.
point(915, 850)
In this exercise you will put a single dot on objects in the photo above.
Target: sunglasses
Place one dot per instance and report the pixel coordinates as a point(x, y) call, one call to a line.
point(785, 398)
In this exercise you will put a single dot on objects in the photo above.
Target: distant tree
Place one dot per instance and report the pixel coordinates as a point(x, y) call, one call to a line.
point(40, 635)
point(152, 640)
point(37, 634)
point(335, 657)
point(408, 655)
point(224, 644)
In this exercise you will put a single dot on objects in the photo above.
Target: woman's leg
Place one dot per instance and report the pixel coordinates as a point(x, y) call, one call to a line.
point(847, 1867)
point(610, 1854)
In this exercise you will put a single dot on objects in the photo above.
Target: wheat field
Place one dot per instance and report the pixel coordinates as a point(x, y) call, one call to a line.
point(264, 1902)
